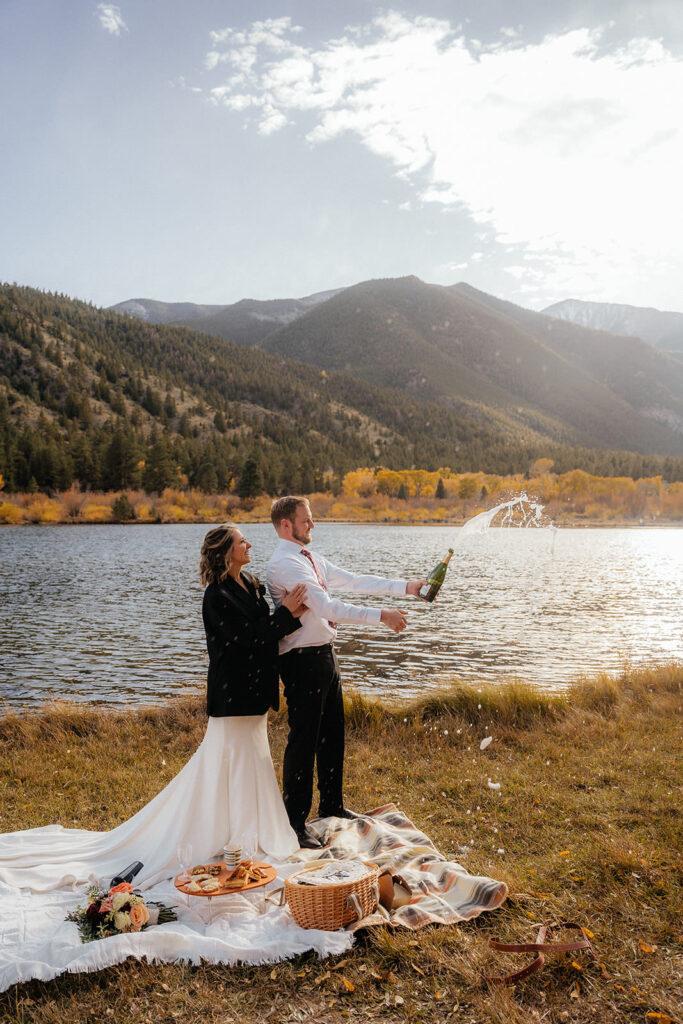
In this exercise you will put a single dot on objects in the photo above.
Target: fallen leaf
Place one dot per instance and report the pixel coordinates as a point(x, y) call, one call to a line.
point(398, 1000)
point(348, 985)
point(273, 974)
point(413, 942)
point(604, 972)
point(564, 853)
point(416, 968)
point(574, 991)
point(588, 933)
point(664, 1017)
point(440, 994)
point(576, 966)
point(619, 988)
point(342, 963)
point(391, 976)
point(362, 967)
point(322, 978)
point(376, 976)
point(645, 947)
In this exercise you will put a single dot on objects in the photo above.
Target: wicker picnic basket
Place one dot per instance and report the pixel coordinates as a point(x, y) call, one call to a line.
point(331, 907)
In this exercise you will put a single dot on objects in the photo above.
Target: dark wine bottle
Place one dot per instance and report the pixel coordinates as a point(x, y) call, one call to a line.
point(435, 579)
point(127, 875)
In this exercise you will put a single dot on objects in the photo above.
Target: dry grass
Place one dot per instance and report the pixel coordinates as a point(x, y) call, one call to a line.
point(587, 818)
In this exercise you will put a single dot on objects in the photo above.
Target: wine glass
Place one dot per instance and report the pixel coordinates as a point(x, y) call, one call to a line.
point(249, 846)
point(184, 855)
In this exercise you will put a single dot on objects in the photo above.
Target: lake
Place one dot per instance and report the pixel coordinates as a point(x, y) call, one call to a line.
point(112, 614)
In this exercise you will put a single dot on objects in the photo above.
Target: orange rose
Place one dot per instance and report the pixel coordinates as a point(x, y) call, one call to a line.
point(121, 887)
point(139, 915)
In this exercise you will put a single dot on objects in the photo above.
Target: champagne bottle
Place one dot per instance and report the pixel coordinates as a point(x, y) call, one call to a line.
point(435, 579)
point(127, 875)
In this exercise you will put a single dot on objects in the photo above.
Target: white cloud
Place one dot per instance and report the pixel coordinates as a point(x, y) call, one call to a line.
point(567, 154)
point(111, 19)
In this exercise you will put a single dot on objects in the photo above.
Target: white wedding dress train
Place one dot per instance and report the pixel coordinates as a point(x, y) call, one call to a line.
point(227, 791)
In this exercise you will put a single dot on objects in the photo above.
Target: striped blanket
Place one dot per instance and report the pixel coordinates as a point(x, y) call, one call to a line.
point(439, 891)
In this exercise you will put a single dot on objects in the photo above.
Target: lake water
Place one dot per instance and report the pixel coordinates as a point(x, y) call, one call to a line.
point(112, 614)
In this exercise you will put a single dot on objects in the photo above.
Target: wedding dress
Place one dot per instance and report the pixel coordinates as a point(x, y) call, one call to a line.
point(227, 792)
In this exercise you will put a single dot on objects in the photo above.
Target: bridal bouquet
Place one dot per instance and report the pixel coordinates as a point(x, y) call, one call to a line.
point(119, 910)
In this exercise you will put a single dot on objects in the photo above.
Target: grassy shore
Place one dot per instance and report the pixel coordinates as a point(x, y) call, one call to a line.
point(587, 819)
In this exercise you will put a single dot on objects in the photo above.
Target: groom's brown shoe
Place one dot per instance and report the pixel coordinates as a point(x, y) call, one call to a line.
point(306, 839)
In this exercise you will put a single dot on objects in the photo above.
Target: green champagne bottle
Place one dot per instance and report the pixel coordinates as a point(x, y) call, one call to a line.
point(435, 579)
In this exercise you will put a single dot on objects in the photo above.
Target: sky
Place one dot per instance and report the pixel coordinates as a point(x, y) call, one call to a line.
point(208, 150)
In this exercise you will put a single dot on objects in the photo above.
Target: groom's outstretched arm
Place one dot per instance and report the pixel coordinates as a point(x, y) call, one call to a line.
point(341, 579)
point(287, 572)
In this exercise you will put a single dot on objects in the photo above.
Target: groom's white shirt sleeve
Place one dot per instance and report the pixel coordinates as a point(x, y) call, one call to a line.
point(288, 566)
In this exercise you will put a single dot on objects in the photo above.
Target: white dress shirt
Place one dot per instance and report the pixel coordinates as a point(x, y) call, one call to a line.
point(288, 566)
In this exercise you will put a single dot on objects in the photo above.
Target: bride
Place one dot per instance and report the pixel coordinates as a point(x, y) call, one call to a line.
point(227, 792)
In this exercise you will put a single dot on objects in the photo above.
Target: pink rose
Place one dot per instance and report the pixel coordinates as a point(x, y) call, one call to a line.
point(139, 915)
point(106, 905)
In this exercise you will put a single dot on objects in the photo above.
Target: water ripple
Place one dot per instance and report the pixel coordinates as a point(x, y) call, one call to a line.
point(112, 614)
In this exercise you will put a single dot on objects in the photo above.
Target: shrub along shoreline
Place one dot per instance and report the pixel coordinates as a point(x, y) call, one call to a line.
point(178, 507)
point(411, 497)
point(584, 828)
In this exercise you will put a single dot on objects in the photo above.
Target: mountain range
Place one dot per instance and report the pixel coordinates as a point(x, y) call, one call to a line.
point(391, 373)
point(527, 374)
point(662, 329)
point(245, 322)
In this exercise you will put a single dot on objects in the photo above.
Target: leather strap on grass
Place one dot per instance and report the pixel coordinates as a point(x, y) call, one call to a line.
point(540, 947)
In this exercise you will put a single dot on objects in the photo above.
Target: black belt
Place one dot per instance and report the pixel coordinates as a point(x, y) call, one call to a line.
point(323, 649)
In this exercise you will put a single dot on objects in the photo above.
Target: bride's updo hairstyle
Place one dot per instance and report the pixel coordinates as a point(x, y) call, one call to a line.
point(214, 562)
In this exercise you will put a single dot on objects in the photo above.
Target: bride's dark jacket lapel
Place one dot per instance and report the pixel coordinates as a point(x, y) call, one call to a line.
point(242, 640)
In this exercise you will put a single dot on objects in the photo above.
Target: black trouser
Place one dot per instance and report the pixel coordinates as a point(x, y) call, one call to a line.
point(316, 731)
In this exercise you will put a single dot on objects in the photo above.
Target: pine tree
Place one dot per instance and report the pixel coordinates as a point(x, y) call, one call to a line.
point(251, 479)
point(119, 464)
point(206, 478)
point(440, 492)
point(160, 470)
point(122, 509)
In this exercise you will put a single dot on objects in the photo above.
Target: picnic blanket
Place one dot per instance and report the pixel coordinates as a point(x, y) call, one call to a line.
point(441, 891)
point(36, 941)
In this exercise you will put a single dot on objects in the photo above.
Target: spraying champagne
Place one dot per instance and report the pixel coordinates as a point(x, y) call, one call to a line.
point(435, 579)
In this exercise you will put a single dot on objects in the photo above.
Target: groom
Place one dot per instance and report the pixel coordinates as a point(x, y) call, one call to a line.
point(308, 664)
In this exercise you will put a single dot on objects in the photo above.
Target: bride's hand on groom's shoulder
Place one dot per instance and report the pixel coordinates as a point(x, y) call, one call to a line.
point(295, 600)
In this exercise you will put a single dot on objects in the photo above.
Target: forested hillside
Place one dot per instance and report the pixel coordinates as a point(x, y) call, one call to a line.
point(569, 383)
point(112, 402)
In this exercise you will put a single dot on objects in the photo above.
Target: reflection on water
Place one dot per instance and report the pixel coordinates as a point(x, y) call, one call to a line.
point(112, 614)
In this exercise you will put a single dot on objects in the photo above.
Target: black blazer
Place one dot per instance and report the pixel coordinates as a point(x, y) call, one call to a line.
point(242, 640)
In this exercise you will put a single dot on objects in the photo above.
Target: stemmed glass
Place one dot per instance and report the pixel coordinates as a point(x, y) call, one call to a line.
point(184, 855)
point(249, 846)
point(256, 897)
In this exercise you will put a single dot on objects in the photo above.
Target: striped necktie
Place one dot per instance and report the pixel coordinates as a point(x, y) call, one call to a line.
point(321, 581)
